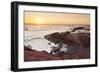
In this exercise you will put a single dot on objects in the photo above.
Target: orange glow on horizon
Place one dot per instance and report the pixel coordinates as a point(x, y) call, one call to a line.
point(41, 18)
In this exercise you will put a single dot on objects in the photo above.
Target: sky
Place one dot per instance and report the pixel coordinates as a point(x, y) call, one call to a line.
point(35, 18)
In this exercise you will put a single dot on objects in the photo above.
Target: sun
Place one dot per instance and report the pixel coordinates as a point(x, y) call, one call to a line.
point(39, 21)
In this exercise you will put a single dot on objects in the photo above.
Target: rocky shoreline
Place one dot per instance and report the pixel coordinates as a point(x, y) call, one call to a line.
point(77, 45)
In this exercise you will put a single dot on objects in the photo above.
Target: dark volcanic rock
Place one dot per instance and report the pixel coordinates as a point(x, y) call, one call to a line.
point(77, 28)
point(78, 43)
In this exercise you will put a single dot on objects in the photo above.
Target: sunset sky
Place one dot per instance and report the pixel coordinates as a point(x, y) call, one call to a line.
point(55, 18)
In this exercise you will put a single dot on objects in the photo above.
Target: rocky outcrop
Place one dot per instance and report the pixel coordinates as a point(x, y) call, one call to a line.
point(33, 55)
point(78, 43)
point(77, 28)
